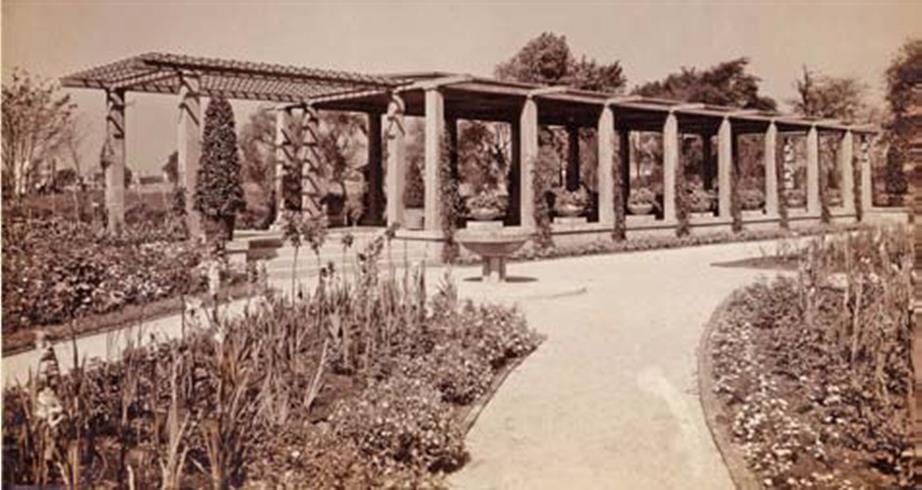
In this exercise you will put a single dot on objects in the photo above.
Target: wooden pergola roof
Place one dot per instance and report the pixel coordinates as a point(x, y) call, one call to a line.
point(465, 96)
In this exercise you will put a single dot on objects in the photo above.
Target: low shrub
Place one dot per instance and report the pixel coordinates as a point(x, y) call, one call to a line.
point(460, 374)
point(402, 419)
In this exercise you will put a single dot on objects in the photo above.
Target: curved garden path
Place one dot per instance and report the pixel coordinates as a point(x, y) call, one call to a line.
point(610, 399)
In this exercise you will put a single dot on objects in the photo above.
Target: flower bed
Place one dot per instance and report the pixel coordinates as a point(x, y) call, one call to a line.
point(806, 378)
point(361, 384)
point(55, 270)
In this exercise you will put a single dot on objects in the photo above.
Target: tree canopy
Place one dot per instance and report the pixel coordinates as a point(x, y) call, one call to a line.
point(825, 96)
point(726, 83)
point(547, 59)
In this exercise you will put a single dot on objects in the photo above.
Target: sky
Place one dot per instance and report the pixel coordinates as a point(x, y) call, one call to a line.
point(650, 39)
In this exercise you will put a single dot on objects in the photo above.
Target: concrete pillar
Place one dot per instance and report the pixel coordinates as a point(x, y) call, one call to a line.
point(435, 125)
point(282, 159)
point(528, 148)
point(573, 177)
point(605, 134)
point(115, 170)
point(724, 167)
point(395, 131)
point(624, 157)
point(374, 174)
point(771, 169)
point(846, 166)
point(189, 146)
point(866, 183)
point(813, 171)
point(670, 166)
point(311, 163)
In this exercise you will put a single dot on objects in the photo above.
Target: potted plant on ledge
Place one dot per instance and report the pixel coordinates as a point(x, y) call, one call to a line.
point(641, 202)
point(701, 201)
point(570, 204)
point(795, 198)
point(486, 206)
point(752, 199)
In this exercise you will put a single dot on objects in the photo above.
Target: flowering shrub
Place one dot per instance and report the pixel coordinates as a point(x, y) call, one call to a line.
point(54, 270)
point(813, 371)
point(402, 419)
point(461, 375)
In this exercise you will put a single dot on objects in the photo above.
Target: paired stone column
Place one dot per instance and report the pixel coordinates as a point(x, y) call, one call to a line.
point(846, 167)
point(670, 166)
point(771, 169)
point(435, 125)
point(115, 170)
point(395, 131)
point(374, 173)
point(573, 177)
point(866, 183)
point(605, 135)
point(189, 146)
point(813, 172)
point(528, 149)
point(724, 167)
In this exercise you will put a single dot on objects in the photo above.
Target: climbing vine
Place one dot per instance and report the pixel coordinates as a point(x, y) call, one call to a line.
point(823, 181)
point(541, 171)
point(682, 203)
point(450, 198)
point(779, 178)
point(619, 232)
point(856, 187)
point(736, 210)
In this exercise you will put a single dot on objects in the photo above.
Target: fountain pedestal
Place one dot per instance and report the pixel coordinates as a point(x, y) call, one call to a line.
point(494, 244)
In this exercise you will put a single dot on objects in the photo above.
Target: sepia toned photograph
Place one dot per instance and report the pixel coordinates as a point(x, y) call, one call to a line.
point(461, 245)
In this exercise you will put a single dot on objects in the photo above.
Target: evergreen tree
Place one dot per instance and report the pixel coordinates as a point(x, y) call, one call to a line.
point(219, 191)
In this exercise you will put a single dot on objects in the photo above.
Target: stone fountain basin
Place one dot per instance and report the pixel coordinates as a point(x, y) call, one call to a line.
point(494, 245)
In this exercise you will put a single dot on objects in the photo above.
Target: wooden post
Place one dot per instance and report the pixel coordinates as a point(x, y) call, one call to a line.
point(605, 135)
point(670, 166)
point(573, 177)
point(813, 171)
point(374, 173)
point(528, 133)
point(435, 126)
point(724, 167)
point(846, 167)
point(115, 171)
point(771, 169)
point(396, 173)
point(189, 149)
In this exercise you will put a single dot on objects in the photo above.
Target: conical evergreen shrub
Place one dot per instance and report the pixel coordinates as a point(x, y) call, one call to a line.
point(219, 190)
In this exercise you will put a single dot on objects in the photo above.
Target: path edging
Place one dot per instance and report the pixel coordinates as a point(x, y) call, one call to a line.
point(712, 407)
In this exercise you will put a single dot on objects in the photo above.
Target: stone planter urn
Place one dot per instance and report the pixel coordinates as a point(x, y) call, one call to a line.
point(413, 218)
point(640, 208)
point(485, 213)
point(568, 210)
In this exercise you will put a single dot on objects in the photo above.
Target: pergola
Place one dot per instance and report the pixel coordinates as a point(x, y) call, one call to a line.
point(443, 98)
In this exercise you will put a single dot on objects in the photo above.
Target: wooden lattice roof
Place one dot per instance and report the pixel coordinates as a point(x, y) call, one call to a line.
point(159, 73)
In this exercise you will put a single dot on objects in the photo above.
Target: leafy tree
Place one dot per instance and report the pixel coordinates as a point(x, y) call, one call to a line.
point(904, 73)
point(218, 191)
point(547, 59)
point(726, 84)
point(824, 96)
point(36, 121)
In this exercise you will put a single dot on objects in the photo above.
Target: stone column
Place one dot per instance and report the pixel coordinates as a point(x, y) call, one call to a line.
point(374, 174)
point(605, 135)
point(670, 165)
point(813, 172)
point(724, 167)
point(396, 172)
point(867, 188)
point(771, 169)
point(435, 125)
point(282, 160)
point(573, 177)
point(846, 166)
point(528, 148)
point(115, 171)
point(624, 157)
point(189, 147)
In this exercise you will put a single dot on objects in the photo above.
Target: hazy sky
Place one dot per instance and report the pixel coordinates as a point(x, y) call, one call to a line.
point(650, 39)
